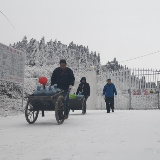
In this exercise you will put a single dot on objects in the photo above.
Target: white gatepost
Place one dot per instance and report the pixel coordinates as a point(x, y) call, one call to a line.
point(91, 78)
point(130, 91)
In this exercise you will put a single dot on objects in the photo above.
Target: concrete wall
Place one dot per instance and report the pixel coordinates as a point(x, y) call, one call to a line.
point(92, 80)
point(101, 103)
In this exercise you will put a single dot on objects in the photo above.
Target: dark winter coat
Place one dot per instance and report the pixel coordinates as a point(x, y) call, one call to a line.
point(109, 90)
point(62, 78)
point(84, 88)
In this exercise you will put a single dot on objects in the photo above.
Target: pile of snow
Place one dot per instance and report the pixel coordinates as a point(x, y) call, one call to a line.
point(11, 106)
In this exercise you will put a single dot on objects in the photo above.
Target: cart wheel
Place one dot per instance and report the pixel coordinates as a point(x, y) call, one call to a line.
point(30, 114)
point(84, 107)
point(60, 110)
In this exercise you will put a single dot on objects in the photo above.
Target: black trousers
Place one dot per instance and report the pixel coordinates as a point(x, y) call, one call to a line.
point(109, 103)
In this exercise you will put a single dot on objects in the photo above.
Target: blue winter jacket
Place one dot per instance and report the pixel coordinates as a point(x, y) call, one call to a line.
point(109, 90)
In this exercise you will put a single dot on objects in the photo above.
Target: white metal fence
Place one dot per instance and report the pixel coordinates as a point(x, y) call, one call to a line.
point(137, 88)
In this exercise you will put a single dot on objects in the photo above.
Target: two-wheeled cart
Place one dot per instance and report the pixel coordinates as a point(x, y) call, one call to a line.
point(78, 104)
point(45, 103)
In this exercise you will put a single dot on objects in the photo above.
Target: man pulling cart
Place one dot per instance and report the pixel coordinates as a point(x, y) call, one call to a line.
point(64, 78)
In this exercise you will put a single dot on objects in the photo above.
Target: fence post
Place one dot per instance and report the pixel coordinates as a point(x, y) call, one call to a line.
point(130, 89)
point(158, 99)
point(23, 77)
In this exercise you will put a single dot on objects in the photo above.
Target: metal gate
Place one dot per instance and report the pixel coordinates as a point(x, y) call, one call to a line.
point(144, 89)
point(121, 80)
point(137, 88)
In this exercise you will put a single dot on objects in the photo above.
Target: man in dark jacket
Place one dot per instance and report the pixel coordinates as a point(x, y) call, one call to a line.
point(64, 78)
point(84, 88)
point(108, 93)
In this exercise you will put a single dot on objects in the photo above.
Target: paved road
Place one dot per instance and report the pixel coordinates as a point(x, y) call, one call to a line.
point(122, 135)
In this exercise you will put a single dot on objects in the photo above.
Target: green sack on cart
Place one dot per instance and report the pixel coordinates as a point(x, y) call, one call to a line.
point(72, 96)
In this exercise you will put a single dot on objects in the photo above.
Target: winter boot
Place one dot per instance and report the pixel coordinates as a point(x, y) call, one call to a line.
point(66, 116)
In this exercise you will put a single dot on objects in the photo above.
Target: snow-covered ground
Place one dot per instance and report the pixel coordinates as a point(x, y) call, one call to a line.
point(122, 135)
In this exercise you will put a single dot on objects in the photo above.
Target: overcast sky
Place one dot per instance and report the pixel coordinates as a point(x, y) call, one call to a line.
point(115, 28)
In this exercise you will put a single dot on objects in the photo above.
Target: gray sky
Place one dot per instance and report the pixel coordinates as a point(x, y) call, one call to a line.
point(115, 28)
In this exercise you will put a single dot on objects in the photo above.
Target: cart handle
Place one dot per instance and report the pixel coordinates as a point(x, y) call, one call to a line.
point(67, 93)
